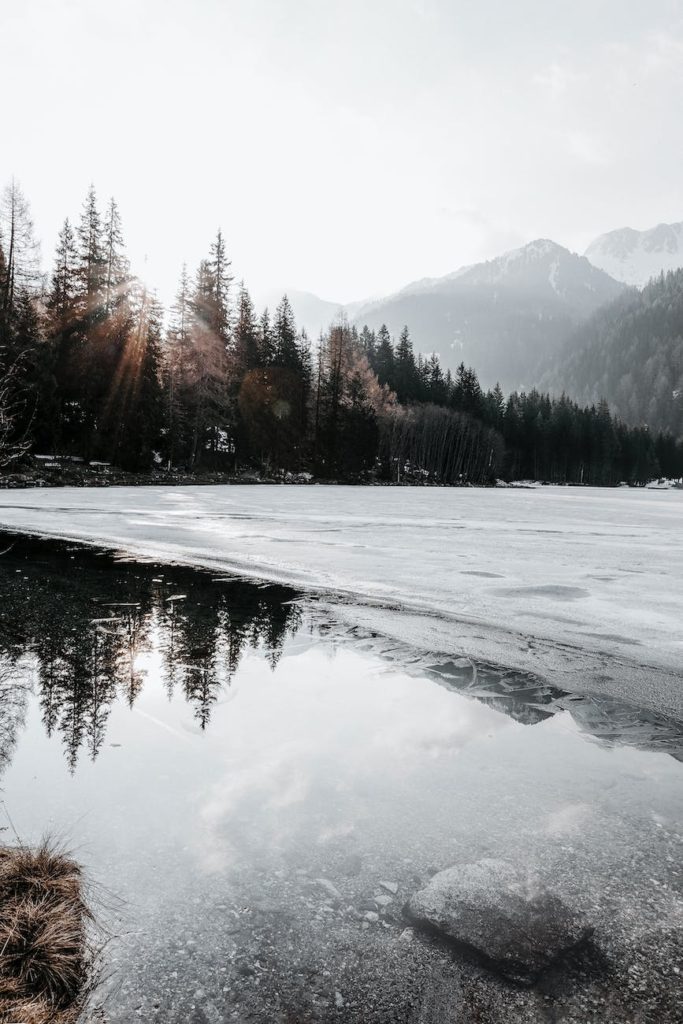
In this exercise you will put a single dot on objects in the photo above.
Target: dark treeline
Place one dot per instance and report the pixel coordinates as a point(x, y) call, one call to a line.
point(93, 367)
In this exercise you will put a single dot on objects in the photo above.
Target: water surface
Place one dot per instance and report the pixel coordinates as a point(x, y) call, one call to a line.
point(246, 781)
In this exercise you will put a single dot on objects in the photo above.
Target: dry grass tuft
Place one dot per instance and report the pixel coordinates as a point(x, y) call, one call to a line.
point(45, 957)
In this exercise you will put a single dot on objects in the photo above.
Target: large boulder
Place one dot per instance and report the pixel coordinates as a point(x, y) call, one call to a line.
point(500, 914)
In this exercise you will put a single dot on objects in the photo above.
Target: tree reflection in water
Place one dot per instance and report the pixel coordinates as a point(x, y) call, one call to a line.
point(83, 620)
point(78, 625)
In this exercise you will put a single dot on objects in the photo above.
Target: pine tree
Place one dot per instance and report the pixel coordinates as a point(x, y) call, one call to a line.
point(246, 335)
point(406, 383)
point(177, 370)
point(286, 351)
point(212, 414)
point(467, 396)
point(116, 268)
point(65, 342)
point(368, 343)
point(218, 270)
point(92, 263)
point(145, 418)
point(495, 407)
point(436, 384)
point(132, 415)
point(384, 364)
point(62, 299)
point(305, 358)
point(266, 340)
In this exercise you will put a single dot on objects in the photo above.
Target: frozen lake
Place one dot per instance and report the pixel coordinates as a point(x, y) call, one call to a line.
point(256, 789)
point(582, 586)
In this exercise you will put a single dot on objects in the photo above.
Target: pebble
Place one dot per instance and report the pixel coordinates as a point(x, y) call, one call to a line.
point(325, 884)
point(391, 887)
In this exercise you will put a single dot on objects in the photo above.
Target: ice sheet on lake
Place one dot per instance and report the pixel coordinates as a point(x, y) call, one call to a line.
point(581, 585)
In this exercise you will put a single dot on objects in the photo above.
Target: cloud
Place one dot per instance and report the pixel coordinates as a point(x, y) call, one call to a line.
point(327, 739)
point(664, 53)
point(587, 148)
point(557, 80)
point(482, 236)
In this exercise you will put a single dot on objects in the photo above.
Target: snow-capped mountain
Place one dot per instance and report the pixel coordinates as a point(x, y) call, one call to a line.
point(502, 316)
point(636, 256)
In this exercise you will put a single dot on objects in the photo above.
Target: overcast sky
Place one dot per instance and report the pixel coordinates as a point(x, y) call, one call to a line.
point(345, 147)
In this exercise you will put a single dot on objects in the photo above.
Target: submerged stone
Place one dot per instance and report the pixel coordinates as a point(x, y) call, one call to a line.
point(329, 888)
point(391, 887)
point(501, 914)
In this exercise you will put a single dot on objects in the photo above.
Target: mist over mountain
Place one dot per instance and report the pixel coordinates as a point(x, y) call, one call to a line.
point(501, 316)
point(543, 316)
point(631, 353)
point(635, 257)
point(311, 313)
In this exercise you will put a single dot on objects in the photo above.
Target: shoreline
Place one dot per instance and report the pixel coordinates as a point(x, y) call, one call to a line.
point(508, 581)
point(35, 480)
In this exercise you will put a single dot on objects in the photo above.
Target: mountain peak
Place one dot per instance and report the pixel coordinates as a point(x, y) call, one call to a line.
point(542, 266)
point(541, 247)
point(537, 251)
point(502, 316)
point(636, 256)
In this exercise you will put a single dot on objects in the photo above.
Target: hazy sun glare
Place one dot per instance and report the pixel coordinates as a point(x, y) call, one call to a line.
point(344, 147)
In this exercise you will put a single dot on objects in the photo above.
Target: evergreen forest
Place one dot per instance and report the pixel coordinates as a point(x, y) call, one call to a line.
point(94, 368)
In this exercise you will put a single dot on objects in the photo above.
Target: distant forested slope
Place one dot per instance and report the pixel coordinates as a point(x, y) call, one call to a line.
point(631, 353)
point(503, 316)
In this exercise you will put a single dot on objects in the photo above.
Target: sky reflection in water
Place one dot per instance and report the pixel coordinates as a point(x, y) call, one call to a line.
point(192, 738)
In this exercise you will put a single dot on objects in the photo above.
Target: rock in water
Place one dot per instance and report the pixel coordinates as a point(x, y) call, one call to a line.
point(329, 888)
point(502, 915)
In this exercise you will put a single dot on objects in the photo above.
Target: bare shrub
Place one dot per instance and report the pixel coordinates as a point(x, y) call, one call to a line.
point(47, 960)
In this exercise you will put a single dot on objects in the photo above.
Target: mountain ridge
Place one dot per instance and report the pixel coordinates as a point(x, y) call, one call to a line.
point(501, 315)
point(629, 352)
point(635, 257)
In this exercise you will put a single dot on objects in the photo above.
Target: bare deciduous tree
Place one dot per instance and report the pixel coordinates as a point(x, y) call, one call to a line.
point(21, 250)
point(11, 446)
